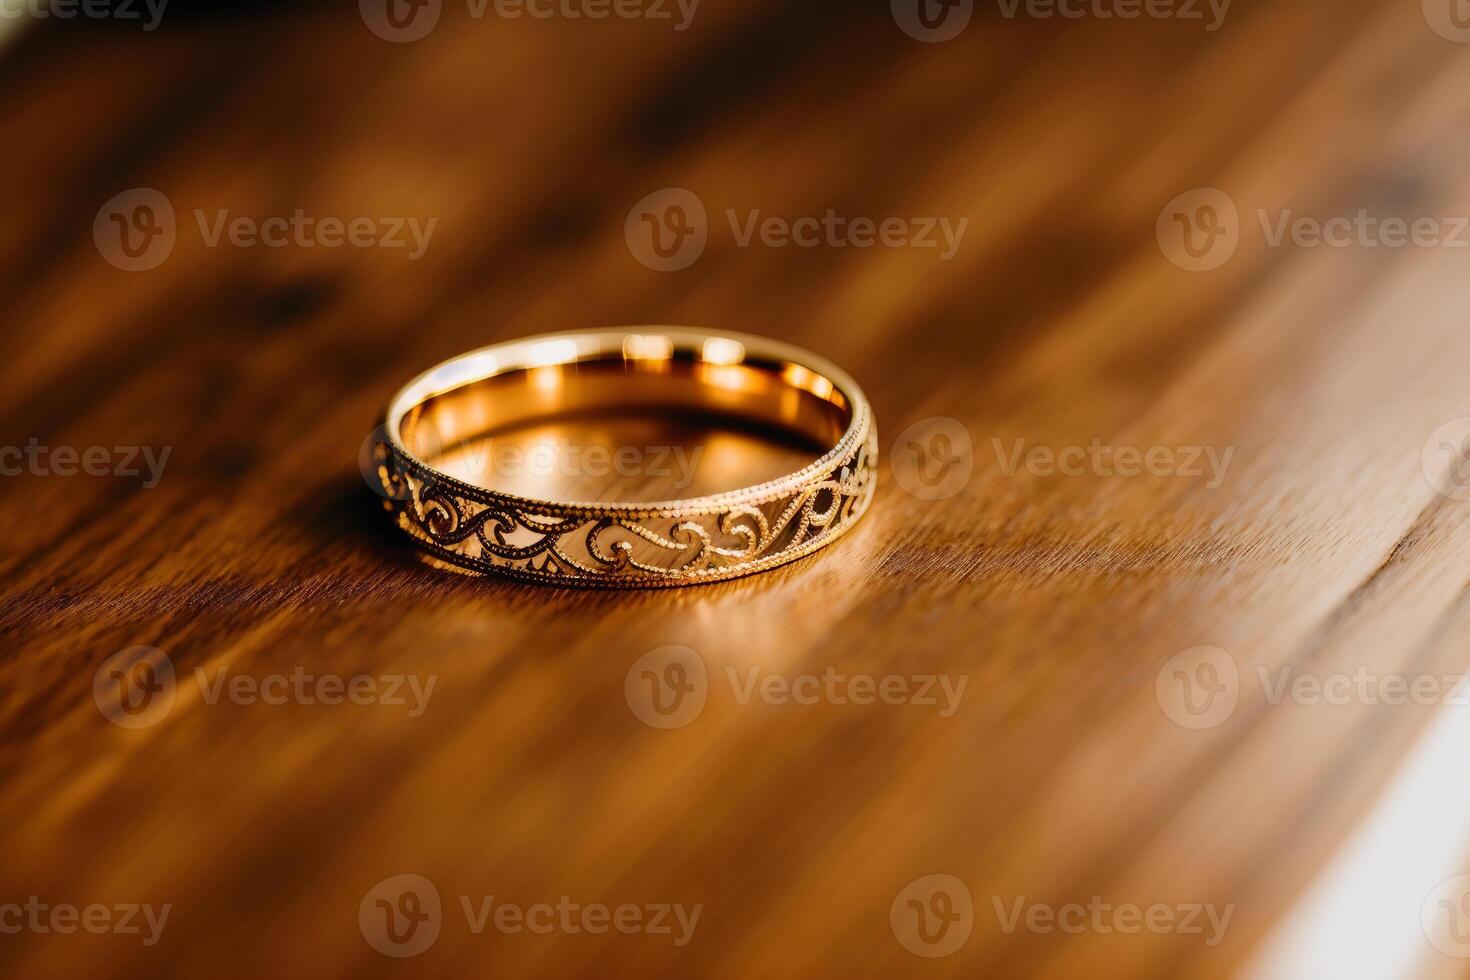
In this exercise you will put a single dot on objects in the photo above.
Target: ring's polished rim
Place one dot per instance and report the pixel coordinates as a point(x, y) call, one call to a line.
point(469, 526)
point(558, 349)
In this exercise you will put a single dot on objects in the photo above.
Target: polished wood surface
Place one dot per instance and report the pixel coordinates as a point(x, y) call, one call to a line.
point(1058, 599)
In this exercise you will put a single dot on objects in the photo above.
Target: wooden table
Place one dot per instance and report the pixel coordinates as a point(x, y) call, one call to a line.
point(1084, 777)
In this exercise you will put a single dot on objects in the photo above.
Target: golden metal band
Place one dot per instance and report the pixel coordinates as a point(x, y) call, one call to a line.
point(628, 545)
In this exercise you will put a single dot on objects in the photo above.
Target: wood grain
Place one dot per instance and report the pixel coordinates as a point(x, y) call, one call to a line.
point(1060, 599)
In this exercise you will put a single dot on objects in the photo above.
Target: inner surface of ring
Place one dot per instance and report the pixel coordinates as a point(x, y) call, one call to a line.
point(610, 426)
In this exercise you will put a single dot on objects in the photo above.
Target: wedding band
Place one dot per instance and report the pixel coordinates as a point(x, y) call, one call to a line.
point(614, 544)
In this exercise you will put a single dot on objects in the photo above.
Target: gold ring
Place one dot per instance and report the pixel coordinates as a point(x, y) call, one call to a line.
point(674, 372)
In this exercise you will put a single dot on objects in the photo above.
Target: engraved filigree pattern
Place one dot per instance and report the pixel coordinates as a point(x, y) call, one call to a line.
point(626, 546)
